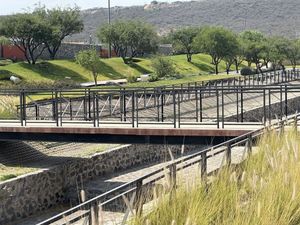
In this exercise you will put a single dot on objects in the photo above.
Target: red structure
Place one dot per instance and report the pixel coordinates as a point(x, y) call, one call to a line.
point(12, 52)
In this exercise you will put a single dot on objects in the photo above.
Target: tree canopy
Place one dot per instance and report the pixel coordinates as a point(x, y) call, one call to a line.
point(183, 39)
point(129, 38)
point(218, 42)
point(90, 60)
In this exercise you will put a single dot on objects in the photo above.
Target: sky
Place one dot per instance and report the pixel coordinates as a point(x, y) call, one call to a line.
point(15, 6)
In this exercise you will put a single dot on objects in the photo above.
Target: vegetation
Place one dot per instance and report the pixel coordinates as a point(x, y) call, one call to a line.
point(183, 40)
point(262, 190)
point(235, 15)
point(163, 68)
point(219, 43)
point(129, 38)
point(89, 59)
point(62, 22)
point(42, 29)
point(45, 74)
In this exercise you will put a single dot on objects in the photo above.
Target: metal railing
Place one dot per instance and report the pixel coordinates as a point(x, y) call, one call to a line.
point(136, 188)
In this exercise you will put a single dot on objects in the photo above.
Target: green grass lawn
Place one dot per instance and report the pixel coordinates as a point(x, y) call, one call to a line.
point(114, 68)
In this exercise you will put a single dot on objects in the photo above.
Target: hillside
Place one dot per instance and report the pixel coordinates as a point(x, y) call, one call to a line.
point(274, 17)
point(50, 71)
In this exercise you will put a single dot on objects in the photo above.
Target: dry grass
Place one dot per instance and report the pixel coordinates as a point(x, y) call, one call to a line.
point(8, 109)
point(264, 190)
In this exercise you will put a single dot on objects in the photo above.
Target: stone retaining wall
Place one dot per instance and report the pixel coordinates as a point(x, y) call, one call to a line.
point(28, 194)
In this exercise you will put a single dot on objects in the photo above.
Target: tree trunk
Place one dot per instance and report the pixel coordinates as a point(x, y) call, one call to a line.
point(189, 57)
point(95, 79)
point(217, 68)
point(249, 64)
point(236, 66)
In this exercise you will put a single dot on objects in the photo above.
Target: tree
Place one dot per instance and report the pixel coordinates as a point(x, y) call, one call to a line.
point(253, 44)
point(62, 22)
point(129, 38)
point(292, 52)
point(183, 41)
point(28, 32)
point(90, 60)
point(278, 48)
point(217, 42)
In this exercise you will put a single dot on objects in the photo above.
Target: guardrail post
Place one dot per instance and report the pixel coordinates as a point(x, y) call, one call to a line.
point(197, 105)
point(286, 101)
point(264, 107)
point(228, 154)
point(56, 108)
point(296, 123)
point(133, 108)
point(223, 109)
point(174, 108)
point(179, 110)
point(218, 109)
point(250, 140)
point(97, 109)
point(139, 200)
point(71, 109)
point(94, 215)
point(172, 169)
point(203, 166)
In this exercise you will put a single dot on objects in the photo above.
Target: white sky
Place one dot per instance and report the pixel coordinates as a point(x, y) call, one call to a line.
point(14, 6)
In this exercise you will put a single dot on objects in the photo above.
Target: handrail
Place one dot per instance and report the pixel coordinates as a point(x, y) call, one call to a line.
point(230, 143)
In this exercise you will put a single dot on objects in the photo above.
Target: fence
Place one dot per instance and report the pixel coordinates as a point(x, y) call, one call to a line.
point(137, 188)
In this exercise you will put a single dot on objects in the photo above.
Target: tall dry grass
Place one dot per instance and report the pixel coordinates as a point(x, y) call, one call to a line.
point(265, 189)
point(8, 109)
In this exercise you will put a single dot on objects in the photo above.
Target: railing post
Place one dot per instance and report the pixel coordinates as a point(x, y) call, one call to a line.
point(203, 166)
point(174, 108)
point(172, 169)
point(286, 101)
point(133, 108)
point(264, 107)
point(218, 109)
point(228, 154)
point(56, 108)
point(197, 105)
point(250, 140)
point(179, 110)
point(296, 123)
point(139, 200)
point(94, 215)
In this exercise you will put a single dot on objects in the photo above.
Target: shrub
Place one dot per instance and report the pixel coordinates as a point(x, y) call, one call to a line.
point(163, 67)
point(153, 78)
point(247, 71)
point(132, 78)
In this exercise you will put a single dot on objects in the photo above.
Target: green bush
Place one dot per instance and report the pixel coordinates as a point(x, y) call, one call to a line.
point(132, 78)
point(5, 74)
point(153, 78)
point(163, 67)
point(247, 71)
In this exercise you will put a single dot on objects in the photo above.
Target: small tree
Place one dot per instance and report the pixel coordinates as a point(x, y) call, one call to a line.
point(28, 32)
point(253, 44)
point(183, 41)
point(217, 42)
point(129, 38)
point(62, 22)
point(292, 52)
point(278, 47)
point(163, 67)
point(90, 60)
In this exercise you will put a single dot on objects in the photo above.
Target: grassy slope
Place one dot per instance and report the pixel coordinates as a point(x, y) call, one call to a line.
point(112, 69)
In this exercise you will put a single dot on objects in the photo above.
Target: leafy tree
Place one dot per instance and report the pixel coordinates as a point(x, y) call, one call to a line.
point(129, 38)
point(27, 31)
point(253, 44)
point(239, 56)
point(163, 67)
point(62, 22)
point(183, 41)
point(90, 60)
point(278, 48)
point(217, 42)
point(292, 52)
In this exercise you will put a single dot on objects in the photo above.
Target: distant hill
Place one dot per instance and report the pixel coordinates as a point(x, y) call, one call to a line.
point(273, 17)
